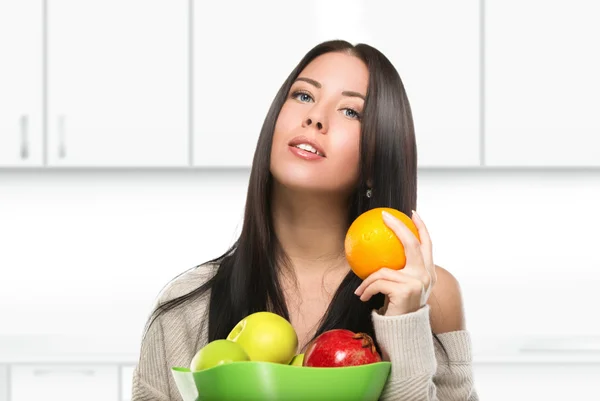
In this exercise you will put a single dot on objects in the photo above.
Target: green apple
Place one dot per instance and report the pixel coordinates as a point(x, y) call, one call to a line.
point(297, 360)
point(218, 352)
point(266, 337)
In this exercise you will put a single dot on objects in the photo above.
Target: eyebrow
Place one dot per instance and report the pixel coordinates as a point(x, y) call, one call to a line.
point(353, 94)
point(318, 85)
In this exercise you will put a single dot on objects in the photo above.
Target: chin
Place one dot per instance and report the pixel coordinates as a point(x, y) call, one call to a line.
point(323, 176)
point(299, 179)
point(308, 179)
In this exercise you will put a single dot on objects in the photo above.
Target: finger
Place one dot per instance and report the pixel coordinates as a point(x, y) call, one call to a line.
point(380, 286)
point(426, 244)
point(433, 276)
point(418, 278)
point(426, 247)
point(383, 273)
point(423, 277)
point(412, 246)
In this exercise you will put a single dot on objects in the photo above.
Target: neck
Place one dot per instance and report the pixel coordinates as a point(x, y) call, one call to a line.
point(311, 228)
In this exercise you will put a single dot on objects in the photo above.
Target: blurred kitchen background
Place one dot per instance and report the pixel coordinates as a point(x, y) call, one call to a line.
point(127, 129)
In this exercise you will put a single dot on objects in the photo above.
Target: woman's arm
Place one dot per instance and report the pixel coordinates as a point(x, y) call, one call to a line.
point(173, 338)
point(402, 325)
point(419, 369)
point(455, 382)
point(150, 379)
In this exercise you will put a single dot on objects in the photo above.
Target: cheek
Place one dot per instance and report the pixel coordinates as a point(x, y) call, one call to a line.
point(284, 121)
point(349, 146)
point(348, 150)
point(281, 133)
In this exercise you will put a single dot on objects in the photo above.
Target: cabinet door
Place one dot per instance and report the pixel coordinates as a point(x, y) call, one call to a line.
point(4, 386)
point(549, 382)
point(435, 47)
point(241, 58)
point(542, 83)
point(64, 383)
point(21, 90)
point(118, 83)
point(127, 382)
point(241, 62)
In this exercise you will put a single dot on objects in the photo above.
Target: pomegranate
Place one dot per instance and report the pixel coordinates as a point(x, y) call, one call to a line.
point(339, 347)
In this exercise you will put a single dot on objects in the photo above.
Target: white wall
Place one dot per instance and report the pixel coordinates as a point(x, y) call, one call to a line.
point(523, 244)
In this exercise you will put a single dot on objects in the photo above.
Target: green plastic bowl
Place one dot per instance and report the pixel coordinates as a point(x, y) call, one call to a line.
point(265, 381)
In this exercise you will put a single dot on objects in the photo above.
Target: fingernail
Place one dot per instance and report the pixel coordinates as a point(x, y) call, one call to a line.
point(356, 292)
point(416, 214)
point(386, 215)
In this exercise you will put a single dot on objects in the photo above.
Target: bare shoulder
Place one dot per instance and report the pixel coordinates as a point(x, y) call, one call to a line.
point(446, 303)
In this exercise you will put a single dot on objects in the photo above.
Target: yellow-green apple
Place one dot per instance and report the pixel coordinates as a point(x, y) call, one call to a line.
point(297, 360)
point(218, 352)
point(266, 337)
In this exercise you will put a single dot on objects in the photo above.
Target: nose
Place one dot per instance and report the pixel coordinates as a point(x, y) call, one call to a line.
point(318, 124)
point(311, 120)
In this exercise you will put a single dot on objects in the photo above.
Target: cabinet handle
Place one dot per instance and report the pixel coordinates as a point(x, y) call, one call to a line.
point(558, 349)
point(24, 140)
point(52, 371)
point(62, 148)
point(566, 344)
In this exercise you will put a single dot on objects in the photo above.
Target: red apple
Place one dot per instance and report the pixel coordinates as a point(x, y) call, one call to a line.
point(338, 348)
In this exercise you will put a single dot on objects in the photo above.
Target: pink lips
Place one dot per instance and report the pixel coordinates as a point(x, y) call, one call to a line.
point(302, 139)
point(305, 154)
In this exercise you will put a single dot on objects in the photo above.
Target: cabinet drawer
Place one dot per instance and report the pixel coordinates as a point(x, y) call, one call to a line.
point(3, 383)
point(537, 381)
point(126, 382)
point(64, 382)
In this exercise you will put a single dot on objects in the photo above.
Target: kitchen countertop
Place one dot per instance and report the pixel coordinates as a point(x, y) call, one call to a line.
point(67, 349)
point(27, 349)
point(547, 349)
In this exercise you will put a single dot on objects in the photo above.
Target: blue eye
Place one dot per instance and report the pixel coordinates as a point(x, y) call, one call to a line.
point(353, 113)
point(304, 97)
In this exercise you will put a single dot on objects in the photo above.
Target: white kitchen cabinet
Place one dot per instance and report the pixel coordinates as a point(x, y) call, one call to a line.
point(126, 382)
point(118, 83)
point(542, 381)
point(4, 382)
point(435, 46)
point(64, 382)
point(242, 57)
point(542, 83)
point(21, 88)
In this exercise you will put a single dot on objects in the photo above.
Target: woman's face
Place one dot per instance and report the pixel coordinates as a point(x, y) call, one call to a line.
point(317, 134)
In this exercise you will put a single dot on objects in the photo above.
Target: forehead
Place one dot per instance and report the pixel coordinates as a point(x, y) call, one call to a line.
point(338, 71)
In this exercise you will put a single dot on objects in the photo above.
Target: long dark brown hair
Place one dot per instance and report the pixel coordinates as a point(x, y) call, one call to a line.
point(247, 278)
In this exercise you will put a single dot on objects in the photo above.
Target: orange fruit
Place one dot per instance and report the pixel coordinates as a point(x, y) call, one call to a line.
point(370, 244)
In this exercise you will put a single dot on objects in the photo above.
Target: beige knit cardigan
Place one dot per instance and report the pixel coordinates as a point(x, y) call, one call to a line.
point(419, 368)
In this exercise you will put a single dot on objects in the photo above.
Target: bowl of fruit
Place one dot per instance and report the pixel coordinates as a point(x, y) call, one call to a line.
point(258, 361)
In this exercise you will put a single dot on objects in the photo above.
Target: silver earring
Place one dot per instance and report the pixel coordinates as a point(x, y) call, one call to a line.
point(369, 193)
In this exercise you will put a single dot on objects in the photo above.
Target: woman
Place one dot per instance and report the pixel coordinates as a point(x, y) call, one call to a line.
point(338, 140)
